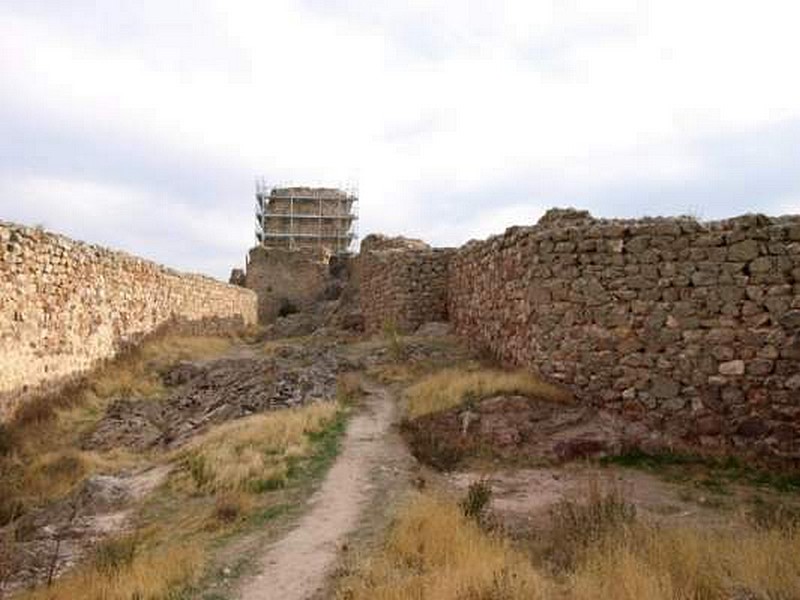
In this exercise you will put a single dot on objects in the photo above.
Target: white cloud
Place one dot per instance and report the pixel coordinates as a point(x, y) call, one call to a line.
point(146, 224)
point(417, 100)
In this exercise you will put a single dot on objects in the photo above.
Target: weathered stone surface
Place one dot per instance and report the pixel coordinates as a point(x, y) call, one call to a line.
point(286, 281)
point(743, 251)
point(648, 317)
point(403, 283)
point(67, 305)
point(732, 367)
point(791, 320)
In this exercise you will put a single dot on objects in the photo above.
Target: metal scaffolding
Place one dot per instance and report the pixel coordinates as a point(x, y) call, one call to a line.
point(302, 217)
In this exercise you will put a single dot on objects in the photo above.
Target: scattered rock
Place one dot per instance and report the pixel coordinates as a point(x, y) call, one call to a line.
point(732, 367)
point(435, 329)
point(74, 525)
point(213, 392)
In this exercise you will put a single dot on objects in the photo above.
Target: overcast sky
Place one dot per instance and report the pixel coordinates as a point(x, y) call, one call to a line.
point(142, 125)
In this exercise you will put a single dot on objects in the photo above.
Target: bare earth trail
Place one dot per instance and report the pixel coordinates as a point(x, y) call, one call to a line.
point(297, 566)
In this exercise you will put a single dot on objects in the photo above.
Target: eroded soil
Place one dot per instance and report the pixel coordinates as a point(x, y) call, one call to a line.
point(297, 566)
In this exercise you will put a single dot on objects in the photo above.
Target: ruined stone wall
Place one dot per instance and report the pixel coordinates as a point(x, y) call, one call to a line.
point(67, 305)
point(693, 328)
point(402, 282)
point(286, 280)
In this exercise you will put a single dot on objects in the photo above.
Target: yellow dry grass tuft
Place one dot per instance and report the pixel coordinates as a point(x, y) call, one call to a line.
point(673, 564)
point(43, 461)
point(255, 452)
point(147, 576)
point(434, 552)
point(349, 387)
point(136, 374)
point(451, 387)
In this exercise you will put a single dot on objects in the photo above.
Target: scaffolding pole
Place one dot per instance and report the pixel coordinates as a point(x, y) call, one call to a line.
point(299, 216)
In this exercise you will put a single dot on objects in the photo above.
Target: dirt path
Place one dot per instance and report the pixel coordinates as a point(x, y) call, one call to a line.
point(296, 567)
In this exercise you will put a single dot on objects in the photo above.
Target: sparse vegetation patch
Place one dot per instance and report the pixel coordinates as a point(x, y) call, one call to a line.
point(257, 452)
point(124, 573)
point(710, 472)
point(433, 551)
point(452, 387)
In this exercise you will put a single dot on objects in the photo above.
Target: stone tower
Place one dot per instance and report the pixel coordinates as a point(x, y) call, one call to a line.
point(306, 217)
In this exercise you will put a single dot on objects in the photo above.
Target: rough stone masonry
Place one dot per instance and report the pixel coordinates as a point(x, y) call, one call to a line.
point(693, 328)
point(67, 305)
point(403, 282)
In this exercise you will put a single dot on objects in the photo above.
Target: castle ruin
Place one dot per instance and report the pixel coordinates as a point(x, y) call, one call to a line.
point(306, 217)
point(298, 230)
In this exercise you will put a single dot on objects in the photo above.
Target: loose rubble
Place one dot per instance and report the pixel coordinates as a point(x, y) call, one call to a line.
point(212, 392)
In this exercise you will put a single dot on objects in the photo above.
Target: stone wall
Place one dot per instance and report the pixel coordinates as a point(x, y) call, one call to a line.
point(286, 280)
point(67, 305)
point(402, 282)
point(693, 328)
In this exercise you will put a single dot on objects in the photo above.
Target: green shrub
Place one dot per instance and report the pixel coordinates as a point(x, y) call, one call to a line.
point(479, 494)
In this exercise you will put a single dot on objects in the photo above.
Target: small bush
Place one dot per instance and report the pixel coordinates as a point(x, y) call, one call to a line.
point(6, 440)
point(276, 482)
point(199, 470)
point(577, 526)
point(431, 449)
point(255, 453)
point(479, 495)
point(8, 560)
point(394, 342)
point(229, 507)
point(124, 575)
point(114, 555)
point(35, 412)
point(680, 563)
point(11, 509)
point(53, 474)
point(286, 308)
point(774, 516)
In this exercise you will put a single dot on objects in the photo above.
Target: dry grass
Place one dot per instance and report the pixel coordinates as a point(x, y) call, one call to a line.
point(451, 387)
point(229, 507)
point(41, 458)
point(580, 526)
point(677, 564)
point(256, 452)
point(137, 373)
point(143, 575)
point(349, 388)
point(434, 552)
point(392, 373)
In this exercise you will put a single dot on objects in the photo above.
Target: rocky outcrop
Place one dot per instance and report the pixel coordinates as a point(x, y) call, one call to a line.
point(213, 392)
point(522, 428)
